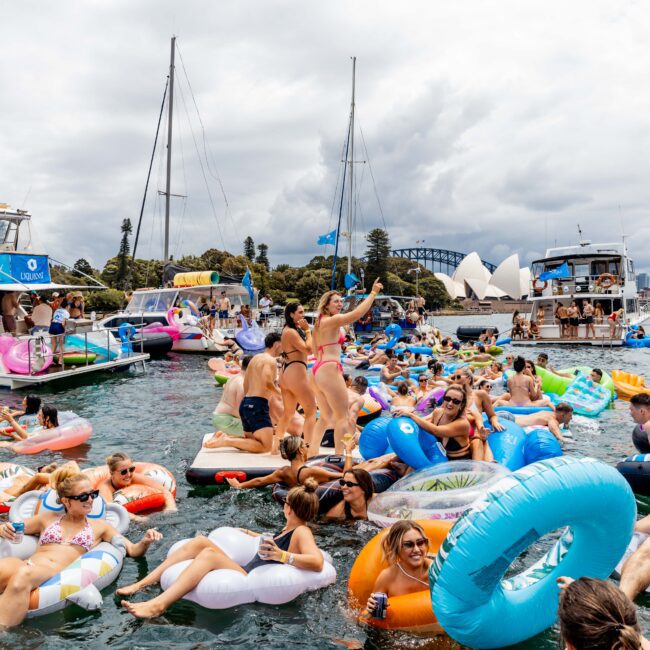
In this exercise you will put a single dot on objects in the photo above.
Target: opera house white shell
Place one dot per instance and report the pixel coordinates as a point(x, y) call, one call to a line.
point(471, 278)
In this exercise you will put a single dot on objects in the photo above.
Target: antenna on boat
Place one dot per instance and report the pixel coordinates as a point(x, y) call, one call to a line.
point(351, 163)
point(581, 241)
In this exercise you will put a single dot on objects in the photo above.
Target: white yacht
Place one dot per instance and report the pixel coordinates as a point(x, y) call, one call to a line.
point(176, 307)
point(602, 274)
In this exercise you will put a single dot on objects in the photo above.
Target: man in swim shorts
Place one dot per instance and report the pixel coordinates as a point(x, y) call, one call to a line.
point(259, 387)
point(226, 416)
point(561, 416)
point(224, 309)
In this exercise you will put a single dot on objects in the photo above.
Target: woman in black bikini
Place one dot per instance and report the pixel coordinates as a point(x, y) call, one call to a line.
point(294, 545)
point(294, 381)
point(358, 490)
point(448, 423)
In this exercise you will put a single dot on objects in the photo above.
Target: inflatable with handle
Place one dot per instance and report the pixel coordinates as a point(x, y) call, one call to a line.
point(25, 356)
point(249, 338)
point(173, 328)
point(80, 582)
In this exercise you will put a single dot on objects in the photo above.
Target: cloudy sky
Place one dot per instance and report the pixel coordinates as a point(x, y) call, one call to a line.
point(495, 126)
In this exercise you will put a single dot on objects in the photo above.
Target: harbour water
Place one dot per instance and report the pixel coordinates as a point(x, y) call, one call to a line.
point(159, 417)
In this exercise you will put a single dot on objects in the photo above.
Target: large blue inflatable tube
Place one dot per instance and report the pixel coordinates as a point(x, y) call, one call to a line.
point(417, 448)
point(522, 410)
point(508, 445)
point(373, 441)
point(473, 603)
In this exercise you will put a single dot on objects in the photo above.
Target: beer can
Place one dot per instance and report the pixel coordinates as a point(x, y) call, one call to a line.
point(19, 531)
point(264, 537)
point(381, 600)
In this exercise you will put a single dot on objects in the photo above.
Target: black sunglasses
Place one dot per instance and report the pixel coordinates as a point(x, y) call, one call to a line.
point(457, 378)
point(453, 400)
point(84, 496)
point(343, 482)
point(410, 545)
point(127, 470)
point(422, 381)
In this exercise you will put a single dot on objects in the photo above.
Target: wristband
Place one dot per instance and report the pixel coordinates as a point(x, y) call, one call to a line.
point(373, 293)
point(284, 557)
point(292, 559)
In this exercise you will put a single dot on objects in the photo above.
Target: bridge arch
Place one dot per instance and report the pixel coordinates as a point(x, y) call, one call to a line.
point(440, 256)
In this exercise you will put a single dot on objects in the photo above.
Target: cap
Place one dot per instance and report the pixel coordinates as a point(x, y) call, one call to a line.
point(55, 294)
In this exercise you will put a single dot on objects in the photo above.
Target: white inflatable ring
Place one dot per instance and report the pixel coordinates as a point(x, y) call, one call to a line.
point(81, 581)
point(272, 584)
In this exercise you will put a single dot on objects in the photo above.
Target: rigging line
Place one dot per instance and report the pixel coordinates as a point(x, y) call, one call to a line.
point(372, 176)
point(214, 174)
point(205, 178)
point(153, 153)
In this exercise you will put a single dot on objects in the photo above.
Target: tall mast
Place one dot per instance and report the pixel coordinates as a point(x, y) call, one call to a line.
point(169, 150)
point(351, 176)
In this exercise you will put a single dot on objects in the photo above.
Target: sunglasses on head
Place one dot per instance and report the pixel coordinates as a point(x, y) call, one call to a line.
point(410, 545)
point(127, 470)
point(453, 400)
point(343, 482)
point(84, 496)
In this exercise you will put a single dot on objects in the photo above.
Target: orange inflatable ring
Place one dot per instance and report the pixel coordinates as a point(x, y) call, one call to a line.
point(605, 280)
point(410, 613)
point(136, 497)
point(536, 288)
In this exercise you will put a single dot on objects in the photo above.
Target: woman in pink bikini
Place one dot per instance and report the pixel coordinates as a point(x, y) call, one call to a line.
point(331, 392)
point(63, 539)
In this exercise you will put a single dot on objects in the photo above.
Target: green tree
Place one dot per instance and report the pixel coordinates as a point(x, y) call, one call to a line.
point(433, 292)
point(263, 256)
point(249, 248)
point(377, 254)
point(123, 255)
point(81, 267)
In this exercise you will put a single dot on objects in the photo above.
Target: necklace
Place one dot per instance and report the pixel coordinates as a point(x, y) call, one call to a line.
point(408, 575)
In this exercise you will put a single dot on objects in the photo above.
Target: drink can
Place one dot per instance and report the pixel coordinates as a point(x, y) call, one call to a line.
point(264, 537)
point(19, 531)
point(381, 600)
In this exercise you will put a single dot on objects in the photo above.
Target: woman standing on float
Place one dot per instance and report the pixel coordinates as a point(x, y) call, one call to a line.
point(294, 379)
point(327, 370)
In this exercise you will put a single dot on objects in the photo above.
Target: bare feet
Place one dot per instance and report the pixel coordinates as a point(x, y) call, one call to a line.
point(129, 590)
point(217, 440)
point(147, 609)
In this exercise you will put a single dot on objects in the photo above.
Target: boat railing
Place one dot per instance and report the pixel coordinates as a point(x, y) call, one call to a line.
point(603, 284)
point(114, 345)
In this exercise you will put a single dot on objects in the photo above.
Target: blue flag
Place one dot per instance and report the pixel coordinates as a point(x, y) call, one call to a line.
point(351, 280)
point(561, 271)
point(247, 283)
point(329, 238)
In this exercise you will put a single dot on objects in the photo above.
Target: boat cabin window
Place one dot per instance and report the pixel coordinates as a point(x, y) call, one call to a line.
point(630, 305)
point(137, 321)
point(581, 269)
point(151, 301)
point(598, 267)
point(630, 269)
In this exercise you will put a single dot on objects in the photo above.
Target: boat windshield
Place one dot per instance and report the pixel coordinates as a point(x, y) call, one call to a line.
point(151, 301)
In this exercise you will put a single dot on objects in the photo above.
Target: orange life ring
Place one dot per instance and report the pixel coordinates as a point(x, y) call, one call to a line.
point(605, 280)
point(536, 288)
point(137, 497)
point(412, 612)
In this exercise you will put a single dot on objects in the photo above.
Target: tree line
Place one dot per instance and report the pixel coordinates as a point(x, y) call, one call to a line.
point(283, 283)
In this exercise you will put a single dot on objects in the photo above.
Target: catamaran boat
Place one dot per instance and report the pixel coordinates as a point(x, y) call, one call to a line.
point(178, 307)
point(602, 274)
point(27, 360)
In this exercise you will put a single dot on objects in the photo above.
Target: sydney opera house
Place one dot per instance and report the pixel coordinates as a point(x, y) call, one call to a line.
point(472, 280)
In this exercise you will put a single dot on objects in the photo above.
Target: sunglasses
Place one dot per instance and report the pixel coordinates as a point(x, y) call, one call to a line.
point(453, 400)
point(422, 381)
point(420, 543)
point(343, 482)
point(127, 470)
point(84, 496)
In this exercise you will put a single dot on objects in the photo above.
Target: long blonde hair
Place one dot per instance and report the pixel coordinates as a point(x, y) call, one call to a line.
point(65, 478)
point(392, 542)
point(324, 301)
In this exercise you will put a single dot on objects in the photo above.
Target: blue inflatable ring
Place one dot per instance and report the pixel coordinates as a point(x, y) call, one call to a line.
point(521, 410)
point(473, 603)
point(417, 448)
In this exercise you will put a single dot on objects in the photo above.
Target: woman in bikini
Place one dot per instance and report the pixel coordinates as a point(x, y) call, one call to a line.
point(522, 389)
point(405, 548)
point(294, 545)
point(63, 539)
point(294, 378)
point(328, 336)
point(448, 423)
point(357, 489)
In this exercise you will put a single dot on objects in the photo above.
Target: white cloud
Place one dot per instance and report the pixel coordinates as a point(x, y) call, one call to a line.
point(491, 126)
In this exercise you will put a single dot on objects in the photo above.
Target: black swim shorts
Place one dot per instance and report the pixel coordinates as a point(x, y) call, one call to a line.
point(254, 414)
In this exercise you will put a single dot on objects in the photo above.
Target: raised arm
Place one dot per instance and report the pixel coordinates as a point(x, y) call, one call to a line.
point(341, 320)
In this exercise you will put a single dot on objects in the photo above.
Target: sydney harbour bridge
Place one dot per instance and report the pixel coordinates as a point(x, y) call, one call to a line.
point(430, 257)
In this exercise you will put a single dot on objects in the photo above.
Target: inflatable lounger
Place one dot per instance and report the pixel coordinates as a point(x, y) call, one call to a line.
point(96, 343)
point(213, 466)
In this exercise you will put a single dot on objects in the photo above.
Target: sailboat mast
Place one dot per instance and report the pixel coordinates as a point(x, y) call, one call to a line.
point(169, 149)
point(351, 175)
